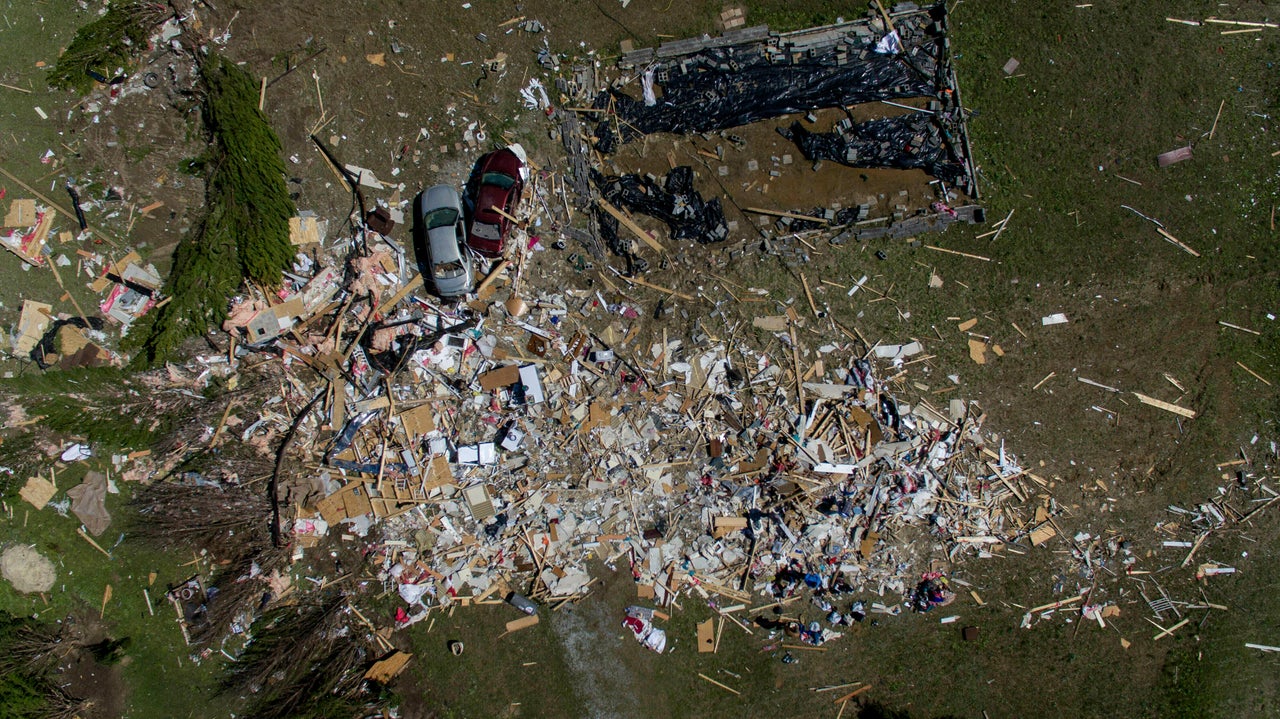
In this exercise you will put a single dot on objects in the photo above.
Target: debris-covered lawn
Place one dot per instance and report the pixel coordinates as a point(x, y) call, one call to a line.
point(730, 367)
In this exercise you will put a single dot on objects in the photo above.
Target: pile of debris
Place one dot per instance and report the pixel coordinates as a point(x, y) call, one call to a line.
point(507, 445)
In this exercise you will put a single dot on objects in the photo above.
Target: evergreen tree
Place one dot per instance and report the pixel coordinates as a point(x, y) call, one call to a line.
point(108, 43)
point(246, 233)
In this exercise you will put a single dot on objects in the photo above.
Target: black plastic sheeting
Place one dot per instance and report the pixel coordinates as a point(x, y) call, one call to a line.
point(726, 87)
point(909, 142)
point(675, 202)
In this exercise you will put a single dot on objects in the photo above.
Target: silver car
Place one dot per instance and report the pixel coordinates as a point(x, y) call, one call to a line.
point(440, 241)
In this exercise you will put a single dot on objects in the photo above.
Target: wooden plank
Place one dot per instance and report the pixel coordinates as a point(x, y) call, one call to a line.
point(1183, 246)
point(645, 283)
point(957, 252)
point(418, 421)
point(1056, 605)
point(492, 277)
point(630, 224)
point(728, 525)
point(516, 625)
point(38, 491)
point(809, 296)
point(1166, 406)
point(22, 213)
point(404, 292)
point(789, 215)
point(852, 694)
point(384, 670)
point(338, 406)
point(713, 681)
point(706, 637)
point(1167, 632)
point(501, 377)
point(1042, 534)
point(304, 230)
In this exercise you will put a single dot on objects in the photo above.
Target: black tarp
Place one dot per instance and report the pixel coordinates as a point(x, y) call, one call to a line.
point(725, 87)
point(907, 142)
point(675, 202)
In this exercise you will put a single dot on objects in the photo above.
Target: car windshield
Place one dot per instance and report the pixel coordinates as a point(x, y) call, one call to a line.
point(448, 269)
point(486, 231)
point(442, 217)
point(497, 179)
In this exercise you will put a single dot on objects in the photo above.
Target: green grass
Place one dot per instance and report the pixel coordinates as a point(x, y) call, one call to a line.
point(34, 34)
point(156, 661)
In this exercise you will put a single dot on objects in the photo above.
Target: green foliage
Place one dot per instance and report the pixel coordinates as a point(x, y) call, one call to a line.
point(301, 663)
point(20, 695)
point(27, 689)
point(105, 44)
point(245, 235)
point(248, 180)
point(205, 273)
point(104, 405)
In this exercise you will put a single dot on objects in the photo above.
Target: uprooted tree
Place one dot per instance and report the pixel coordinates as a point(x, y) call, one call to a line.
point(303, 663)
point(29, 656)
point(246, 233)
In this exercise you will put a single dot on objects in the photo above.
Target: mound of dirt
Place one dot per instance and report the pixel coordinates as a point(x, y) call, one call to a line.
point(27, 570)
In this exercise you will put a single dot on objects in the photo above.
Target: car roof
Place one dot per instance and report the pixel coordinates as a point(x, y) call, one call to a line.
point(434, 198)
point(504, 161)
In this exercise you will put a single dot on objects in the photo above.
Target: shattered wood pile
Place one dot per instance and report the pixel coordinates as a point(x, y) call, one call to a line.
point(497, 447)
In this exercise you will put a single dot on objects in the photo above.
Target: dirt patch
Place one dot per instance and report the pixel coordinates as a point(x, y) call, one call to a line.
point(754, 166)
point(27, 570)
point(101, 686)
point(600, 655)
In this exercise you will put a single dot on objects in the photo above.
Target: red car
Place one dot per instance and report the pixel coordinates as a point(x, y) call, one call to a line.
point(496, 185)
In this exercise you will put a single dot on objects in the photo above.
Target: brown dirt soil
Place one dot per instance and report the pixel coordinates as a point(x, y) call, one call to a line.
point(101, 686)
point(133, 142)
point(1094, 446)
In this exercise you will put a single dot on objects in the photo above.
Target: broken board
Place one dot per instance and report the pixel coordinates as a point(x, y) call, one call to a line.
point(388, 668)
point(38, 491)
point(516, 625)
point(418, 421)
point(706, 637)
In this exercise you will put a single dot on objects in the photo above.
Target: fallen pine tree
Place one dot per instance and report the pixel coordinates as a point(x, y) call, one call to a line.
point(246, 233)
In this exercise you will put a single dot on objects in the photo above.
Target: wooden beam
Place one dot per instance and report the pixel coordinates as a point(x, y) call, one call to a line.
point(1166, 406)
point(790, 215)
point(722, 686)
point(402, 293)
point(650, 285)
point(492, 276)
point(957, 252)
point(630, 224)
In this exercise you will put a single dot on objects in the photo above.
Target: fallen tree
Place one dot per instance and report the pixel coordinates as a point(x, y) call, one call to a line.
point(105, 44)
point(246, 233)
